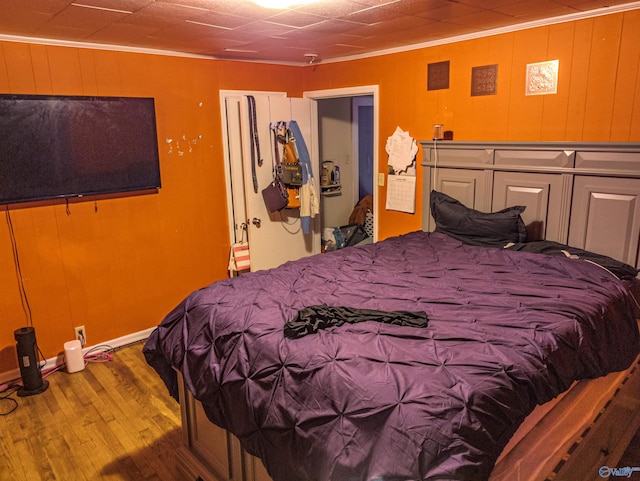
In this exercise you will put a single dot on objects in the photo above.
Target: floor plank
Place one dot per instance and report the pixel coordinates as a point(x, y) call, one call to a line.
point(113, 420)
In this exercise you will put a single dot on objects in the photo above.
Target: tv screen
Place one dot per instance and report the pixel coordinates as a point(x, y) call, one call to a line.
point(71, 146)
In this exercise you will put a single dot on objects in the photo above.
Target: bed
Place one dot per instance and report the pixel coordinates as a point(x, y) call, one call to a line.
point(430, 355)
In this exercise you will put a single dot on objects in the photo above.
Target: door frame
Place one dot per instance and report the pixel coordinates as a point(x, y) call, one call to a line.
point(358, 91)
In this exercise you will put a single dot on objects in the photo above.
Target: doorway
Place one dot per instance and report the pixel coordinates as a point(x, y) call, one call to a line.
point(347, 136)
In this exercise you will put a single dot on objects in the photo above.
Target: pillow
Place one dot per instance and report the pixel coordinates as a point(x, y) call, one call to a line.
point(475, 227)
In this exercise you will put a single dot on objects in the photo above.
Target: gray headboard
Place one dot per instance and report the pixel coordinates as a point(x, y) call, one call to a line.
point(583, 194)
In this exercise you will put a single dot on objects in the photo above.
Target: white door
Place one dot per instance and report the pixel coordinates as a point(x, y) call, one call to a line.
point(274, 238)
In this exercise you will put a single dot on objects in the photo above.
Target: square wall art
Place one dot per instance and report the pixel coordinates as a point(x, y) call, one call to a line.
point(438, 76)
point(484, 80)
point(542, 78)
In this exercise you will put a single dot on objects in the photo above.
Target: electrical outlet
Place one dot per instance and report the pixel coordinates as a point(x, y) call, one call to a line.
point(81, 335)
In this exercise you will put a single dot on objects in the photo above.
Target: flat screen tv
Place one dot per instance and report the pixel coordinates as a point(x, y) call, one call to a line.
point(56, 147)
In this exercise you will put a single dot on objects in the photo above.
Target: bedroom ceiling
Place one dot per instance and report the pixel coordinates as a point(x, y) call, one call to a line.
point(240, 29)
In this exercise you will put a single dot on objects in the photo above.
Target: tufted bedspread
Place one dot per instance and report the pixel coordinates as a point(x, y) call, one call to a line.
point(377, 401)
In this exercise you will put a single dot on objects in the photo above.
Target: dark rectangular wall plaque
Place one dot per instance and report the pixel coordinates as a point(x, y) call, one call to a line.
point(438, 76)
point(484, 80)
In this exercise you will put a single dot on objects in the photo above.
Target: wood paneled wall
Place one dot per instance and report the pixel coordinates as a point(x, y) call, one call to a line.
point(598, 95)
point(118, 265)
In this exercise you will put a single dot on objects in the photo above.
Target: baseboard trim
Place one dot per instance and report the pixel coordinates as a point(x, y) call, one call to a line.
point(53, 362)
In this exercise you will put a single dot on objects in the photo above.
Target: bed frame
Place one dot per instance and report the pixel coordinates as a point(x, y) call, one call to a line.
point(586, 195)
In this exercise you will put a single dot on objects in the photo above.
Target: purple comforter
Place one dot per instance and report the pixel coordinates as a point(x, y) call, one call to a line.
point(376, 401)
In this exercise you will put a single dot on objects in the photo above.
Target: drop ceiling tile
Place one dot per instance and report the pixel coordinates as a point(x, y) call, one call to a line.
point(437, 29)
point(534, 10)
point(483, 19)
point(76, 23)
point(171, 11)
point(84, 18)
point(142, 17)
point(316, 38)
point(590, 4)
point(257, 31)
point(64, 33)
point(25, 8)
point(295, 19)
point(127, 5)
point(166, 37)
point(121, 33)
point(331, 8)
point(416, 7)
point(450, 11)
point(370, 16)
point(343, 50)
point(16, 22)
point(218, 19)
point(333, 27)
point(218, 46)
point(399, 24)
point(490, 4)
point(376, 3)
point(242, 8)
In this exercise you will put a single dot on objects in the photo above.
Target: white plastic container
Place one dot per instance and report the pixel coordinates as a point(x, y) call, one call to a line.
point(73, 357)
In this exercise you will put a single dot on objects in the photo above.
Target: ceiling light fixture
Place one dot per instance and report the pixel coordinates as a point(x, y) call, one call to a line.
point(281, 4)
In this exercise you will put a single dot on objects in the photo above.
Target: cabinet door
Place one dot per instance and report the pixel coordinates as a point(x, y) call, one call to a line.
point(210, 445)
point(208, 452)
point(545, 196)
point(471, 187)
point(602, 205)
point(254, 470)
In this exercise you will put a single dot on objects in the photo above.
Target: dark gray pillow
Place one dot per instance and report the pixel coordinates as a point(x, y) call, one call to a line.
point(474, 227)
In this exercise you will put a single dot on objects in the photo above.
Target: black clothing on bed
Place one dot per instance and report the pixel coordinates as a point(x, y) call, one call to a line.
point(312, 318)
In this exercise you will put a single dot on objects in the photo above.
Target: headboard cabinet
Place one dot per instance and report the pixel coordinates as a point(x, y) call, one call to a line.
point(575, 193)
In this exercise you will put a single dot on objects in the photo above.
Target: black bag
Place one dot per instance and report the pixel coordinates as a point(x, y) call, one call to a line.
point(349, 235)
point(275, 195)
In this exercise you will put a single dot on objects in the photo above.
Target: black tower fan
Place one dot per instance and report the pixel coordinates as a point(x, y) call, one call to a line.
point(26, 347)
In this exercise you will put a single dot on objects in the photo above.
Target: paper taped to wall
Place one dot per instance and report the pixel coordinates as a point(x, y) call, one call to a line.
point(401, 193)
point(402, 149)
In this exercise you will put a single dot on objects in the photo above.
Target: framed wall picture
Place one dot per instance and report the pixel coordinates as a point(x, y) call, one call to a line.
point(484, 80)
point(542, 78)
point(438, 75)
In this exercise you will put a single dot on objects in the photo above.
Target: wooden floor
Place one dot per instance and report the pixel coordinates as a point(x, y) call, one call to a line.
point(111, 421)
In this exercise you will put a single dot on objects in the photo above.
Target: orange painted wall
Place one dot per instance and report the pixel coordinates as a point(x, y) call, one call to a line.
point(598, 95)
point(117, 266)
point(120, 268)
